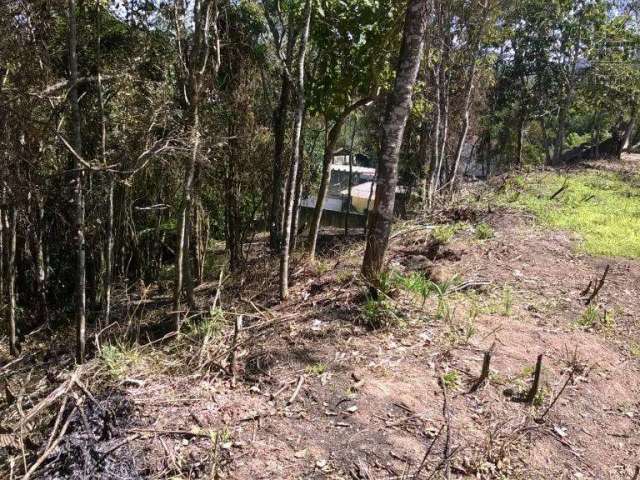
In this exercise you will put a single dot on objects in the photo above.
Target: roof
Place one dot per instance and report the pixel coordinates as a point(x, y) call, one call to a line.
point(354, 169)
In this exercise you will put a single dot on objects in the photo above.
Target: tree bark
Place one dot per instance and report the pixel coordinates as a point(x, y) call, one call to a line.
point(630, 129)
point(397, 111)
point(205, 15)
point(293, 170)
point(279, 133)
point(298, 193)
point(559, 143)
point(520, 137)
point(11, 277)
point(37, 251)
point(78, 188)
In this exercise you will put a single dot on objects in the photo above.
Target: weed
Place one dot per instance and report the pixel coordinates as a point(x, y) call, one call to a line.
point(416, 283)
point(634, 349)
point(316, 369)
point(443, 310)
point(474, 311)
point(451, 380)
point(387, 282)
point(322, 266)
point(208, 327)
point(378, 313)
point(343, 276)
point(484, 231)
point(507, 301)
point(444, 233)
point(119, 358)
point(542, 394)
point(592, 318)
point(460, 335)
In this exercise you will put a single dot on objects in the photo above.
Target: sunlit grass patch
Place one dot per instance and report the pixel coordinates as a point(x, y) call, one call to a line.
point(119, 359)
point(603, 207)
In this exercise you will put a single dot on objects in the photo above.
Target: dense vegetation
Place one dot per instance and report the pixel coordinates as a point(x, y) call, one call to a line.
point(134, 134)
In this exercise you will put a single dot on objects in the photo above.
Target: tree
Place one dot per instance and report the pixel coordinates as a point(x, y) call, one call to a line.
point(77, 186)
point(353, 43)
point(395, 119)
point(293, 171)
point(194, 60)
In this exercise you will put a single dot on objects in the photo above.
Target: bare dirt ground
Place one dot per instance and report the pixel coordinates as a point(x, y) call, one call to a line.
point(317, 394)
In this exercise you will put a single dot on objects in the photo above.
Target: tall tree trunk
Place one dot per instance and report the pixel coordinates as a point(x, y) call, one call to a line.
point(78, 184)
point(279, 132)
point(293, 170)
point(559, 143)
point(462, 139)
point(520, 137)
point(108, 267)
point(298, 192)
point(183, 258)
point(316, 219)
point(233, 228)
point(367, 209)
point(205, 16)
point(397, 111)
point(37, 251)
point(3, 252)
point(434, 181)
point(11, 277)
point(630, 129)
point(108, 247)
point(545, 141)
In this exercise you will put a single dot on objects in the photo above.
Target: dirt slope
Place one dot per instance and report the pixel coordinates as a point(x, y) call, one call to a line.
point(370, 403)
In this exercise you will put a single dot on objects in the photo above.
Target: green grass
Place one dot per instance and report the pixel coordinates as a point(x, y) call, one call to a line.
point(451, 380)
point(603, 207)
point(378, 313)
point(484, 231)
point(316, 369)
point(119, 358)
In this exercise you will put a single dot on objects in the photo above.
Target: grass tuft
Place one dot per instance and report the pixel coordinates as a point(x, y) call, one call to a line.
point(484, 231)
point(119, 359)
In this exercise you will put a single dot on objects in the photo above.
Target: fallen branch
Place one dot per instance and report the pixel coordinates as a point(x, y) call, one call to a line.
point(446, 452)
point(61, 390)
point(484, 374)
point(171, 432)
point(426, 454)
point(120, 444)
point(53, 445)
point(297, 390)
point(540, 419)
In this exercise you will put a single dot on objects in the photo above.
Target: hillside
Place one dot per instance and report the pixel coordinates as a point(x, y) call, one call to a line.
point(334, 384)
